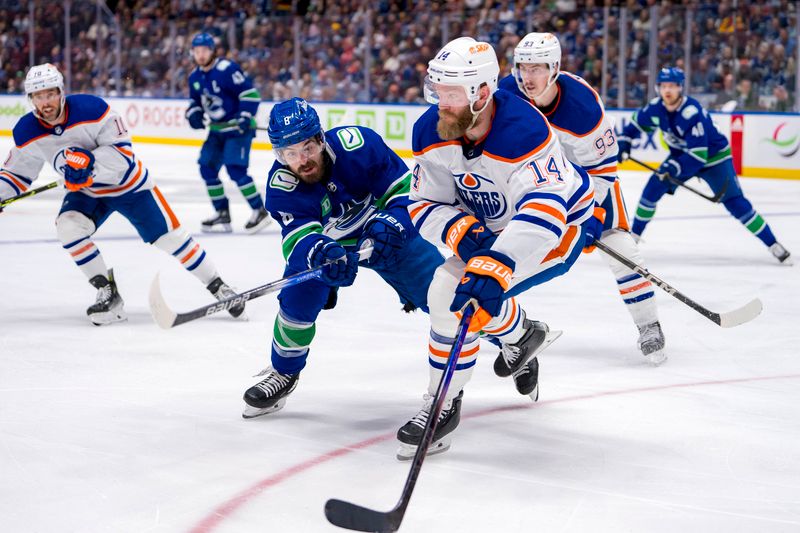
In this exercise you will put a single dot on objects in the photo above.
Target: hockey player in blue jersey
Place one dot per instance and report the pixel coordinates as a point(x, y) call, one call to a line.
point(334, 193)
point(89, 146)
point(578, 118)
point(224, 96)
point(696, 148)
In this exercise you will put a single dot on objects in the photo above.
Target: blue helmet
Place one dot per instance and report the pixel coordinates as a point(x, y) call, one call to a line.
point(292, 122)
point(671, 74)
point(203, 39)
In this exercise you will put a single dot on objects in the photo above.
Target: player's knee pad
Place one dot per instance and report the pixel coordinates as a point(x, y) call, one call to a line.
point(72, 226)
point(622, 242)
point(238, 174)
point(441, 293)
point(209, 174)
point(738, 206)
point(171, 241)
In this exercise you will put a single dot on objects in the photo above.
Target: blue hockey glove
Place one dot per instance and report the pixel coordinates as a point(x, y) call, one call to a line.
point(624, 146)
point(670, 168)
point(465, 235)
point(485, 281)
point(339, 268)
point(244, 122)
point(388, 238)
point(195, 117)
point(78, 169)
point(593, 228)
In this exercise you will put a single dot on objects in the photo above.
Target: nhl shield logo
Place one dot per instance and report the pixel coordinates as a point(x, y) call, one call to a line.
point(479, 194)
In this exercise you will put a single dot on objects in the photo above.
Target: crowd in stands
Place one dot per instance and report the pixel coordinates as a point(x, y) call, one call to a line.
point(357, 51)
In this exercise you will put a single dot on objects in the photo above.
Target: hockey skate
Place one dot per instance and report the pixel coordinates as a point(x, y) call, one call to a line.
point(526, 379)
point(781, 254)
point(108, 307)
point(410, 435)
point(221, 291)
point(651, 343)
point(513, 357)
point(269, 395)
point(258, 221)
point(221, 223)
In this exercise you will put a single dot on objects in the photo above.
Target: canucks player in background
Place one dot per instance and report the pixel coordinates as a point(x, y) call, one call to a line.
point(222, 94)
point(492, 183)
point(334, 193)
point(696, 148)
point(87, 143)
point(578, 118)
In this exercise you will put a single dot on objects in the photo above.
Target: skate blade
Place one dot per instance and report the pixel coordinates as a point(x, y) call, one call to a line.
point(535, 394)
point(406, 452)
point(254, 412)
point(656, 358)
point(218, 228)
point(109, 317)
point(258, 227)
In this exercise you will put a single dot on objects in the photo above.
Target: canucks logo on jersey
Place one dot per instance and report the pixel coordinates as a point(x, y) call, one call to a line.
point(487, 205)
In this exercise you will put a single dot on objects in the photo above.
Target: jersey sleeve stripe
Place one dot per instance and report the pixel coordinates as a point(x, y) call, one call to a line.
point(533, 196)
point(536, 221)
point(292, 238)
point(417, 208)
point(564, 246)
point(437, 145)
point(605, 170)
point(401, 186)
point(607, 161)
point(525, 156)
point(553, 212)
point(139, 173)
point(108, 108)
point(17, 184)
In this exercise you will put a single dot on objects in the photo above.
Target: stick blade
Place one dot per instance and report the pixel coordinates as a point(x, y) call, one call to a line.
point(162, 314)
point(356, 518)
point(739, 316)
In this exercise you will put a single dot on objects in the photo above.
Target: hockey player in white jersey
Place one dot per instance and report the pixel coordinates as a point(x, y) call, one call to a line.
point(492, 183)
point(578, 118)
point(87, 144)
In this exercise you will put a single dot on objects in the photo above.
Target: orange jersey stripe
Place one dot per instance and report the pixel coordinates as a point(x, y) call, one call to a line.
point(564, 246)
point(612, 169)
point(190, 254)
point(619, 209)
point(416, 210)
point(523, 157)
point(79, 252)
point(635, 287)
point(124, 187)
point(172, 218)
point(21, 186)
point(437, 145)
point(552, 211)
point(123, 151)
point(508, 322)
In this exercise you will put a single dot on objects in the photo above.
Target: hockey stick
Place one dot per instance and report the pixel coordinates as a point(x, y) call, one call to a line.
point(31, 192)
point(167, 318)
point(736, 317)
point(715, 198)
point(355, 517)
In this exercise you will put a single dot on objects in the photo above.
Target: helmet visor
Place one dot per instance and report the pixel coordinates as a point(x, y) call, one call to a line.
point(445, 95)
point(299, 153)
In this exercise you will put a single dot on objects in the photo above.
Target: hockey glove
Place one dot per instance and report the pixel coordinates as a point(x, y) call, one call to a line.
point(485, 281)
point(593, 229)
point(388, 238)
point(339, 268)
point(624, 146)
point(244, 123)
point(195, 117)
point(667, 173)
point(465, 235)
point(79, 168)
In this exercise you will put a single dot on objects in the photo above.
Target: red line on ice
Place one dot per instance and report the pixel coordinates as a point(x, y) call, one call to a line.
point(230, 506)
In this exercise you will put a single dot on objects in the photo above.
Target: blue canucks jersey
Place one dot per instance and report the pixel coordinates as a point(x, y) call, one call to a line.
point(363, 176)
point(223, 92)
point(693, 139)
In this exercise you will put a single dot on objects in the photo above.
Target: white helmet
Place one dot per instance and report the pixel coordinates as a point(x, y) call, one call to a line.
point(463, 62)
point(538, 48)
point(42, 77)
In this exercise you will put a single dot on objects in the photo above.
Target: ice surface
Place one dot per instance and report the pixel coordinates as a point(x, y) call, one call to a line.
point(129, 428)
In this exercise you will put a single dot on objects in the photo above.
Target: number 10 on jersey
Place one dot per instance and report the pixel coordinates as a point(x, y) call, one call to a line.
point(546, 175)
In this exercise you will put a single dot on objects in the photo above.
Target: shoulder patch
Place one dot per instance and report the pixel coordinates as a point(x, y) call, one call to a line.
point(284, 180)
point(655, 100)
point(689, 111)
point(350, 138)
point(223, 64)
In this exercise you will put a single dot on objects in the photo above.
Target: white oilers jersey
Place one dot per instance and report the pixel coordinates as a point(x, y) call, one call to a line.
point(516, 180)
point(90, 124)
point(585, 131)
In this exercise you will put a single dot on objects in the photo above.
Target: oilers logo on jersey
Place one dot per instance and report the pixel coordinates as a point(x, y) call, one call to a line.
point(486, 204)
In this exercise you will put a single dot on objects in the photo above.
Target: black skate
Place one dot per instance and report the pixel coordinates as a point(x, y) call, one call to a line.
point(781, 254)
point(651, 343)
point(410, 435)
point(269, 395)
point(221, 223)
point(513, 357)
point(258, 221)
point(108, 308)
point(221, 291)
point(526, 379)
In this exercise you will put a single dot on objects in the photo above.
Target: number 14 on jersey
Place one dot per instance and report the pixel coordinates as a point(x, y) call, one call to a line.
point(549, 174)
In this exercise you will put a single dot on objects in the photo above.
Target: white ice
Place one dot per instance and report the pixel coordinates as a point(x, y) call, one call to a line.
point(130, 428)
